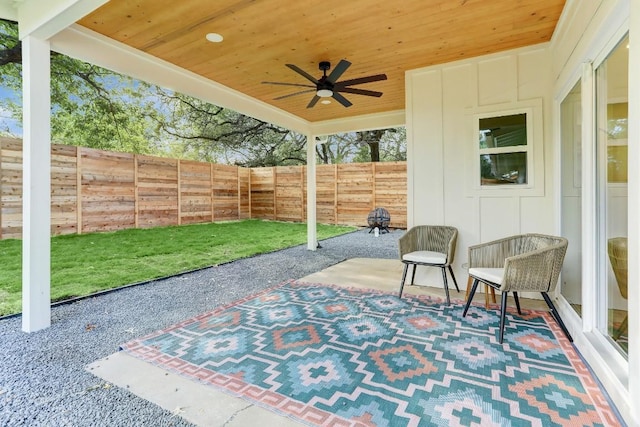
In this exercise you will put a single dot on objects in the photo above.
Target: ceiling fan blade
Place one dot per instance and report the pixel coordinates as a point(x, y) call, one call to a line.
point(303, 73)
point(341, 99)
point(338, 70)
point(360, 91)
point(286, 84)
point(313, 101)
point(294, 94)
point(361, 80)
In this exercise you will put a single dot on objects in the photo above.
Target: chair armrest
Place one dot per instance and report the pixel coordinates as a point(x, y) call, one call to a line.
point(492, 254)
point(407, 242)
point(531, 272)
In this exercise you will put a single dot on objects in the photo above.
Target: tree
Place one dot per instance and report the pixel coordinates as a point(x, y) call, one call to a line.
point(336, 149)
point(91, 106)
point(213, 133)
point(366, 146)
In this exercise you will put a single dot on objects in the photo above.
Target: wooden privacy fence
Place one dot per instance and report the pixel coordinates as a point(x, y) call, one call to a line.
point(345, 193)
point(94, 190)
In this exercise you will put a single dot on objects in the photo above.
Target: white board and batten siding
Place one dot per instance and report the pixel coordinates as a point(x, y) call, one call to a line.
point(443, 105)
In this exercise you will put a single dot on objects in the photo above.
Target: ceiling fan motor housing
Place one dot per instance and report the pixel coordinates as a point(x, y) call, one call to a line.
point(329, 85)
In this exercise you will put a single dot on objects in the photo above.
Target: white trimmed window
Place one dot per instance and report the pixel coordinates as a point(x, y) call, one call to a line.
point(504, 150)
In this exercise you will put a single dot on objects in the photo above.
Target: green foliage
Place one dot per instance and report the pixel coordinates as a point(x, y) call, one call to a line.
point(87, 263)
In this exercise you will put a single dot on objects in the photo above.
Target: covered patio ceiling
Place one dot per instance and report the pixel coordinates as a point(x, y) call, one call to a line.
point(261, 36)
point(163, 42)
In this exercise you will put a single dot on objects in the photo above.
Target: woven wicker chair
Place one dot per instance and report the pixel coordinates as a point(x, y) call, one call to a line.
point(523, 263)
point(429, 245)
point(617, 248)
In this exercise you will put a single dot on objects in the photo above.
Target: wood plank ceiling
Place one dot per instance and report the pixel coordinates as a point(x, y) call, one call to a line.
point(261, 36)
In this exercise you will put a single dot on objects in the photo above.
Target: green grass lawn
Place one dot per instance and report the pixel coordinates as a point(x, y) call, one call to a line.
point(87, 263)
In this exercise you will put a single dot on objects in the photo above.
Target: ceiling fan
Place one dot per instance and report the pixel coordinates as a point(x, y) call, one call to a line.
point(329, 86)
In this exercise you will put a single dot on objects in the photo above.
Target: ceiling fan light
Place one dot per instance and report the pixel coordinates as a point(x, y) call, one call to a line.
point(324, 93)
point(325, 102)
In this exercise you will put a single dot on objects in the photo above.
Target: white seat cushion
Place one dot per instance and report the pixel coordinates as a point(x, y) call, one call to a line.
point(426, 257)
point(493, 275)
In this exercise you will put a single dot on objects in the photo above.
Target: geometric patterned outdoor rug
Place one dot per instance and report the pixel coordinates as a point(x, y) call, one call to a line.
point(335, 356)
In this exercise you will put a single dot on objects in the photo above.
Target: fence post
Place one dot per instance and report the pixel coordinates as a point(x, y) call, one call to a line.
point(239, 197)
point(274, 179)
point(179, 194)
point(249, 195)
point(335, 194)
point(373, 180)
point(302, 201)
point(211, 192)
point(79, 190)
point(136, 202)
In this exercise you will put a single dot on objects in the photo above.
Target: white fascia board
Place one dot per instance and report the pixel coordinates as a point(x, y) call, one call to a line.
point(86, 45)
point(385, 120)
point(564, 22)
point(43, 19)
point(8, 10)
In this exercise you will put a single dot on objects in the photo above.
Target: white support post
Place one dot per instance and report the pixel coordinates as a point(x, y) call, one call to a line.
point(36, 190)
point(312, 232)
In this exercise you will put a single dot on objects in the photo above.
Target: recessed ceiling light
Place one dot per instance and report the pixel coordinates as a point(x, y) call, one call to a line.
point(214, 37)
point(325, 102)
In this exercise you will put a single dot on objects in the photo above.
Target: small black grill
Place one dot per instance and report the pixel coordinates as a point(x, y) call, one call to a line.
point(379, 217)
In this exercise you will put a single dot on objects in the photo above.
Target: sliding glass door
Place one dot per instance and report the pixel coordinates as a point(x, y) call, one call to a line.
point(612, 195)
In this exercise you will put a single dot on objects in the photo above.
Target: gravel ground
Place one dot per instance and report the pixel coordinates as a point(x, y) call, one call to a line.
point(43, 381)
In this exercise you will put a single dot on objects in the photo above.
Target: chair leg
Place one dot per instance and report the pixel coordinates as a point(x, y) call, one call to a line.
point(446, 285)
point(556, 316)
point(473, 291)
point(469, 283)
point(517, 299)
point(413, 274)
point(455, 282)
point(404, 277)
point(503, 311)
point(493, 293)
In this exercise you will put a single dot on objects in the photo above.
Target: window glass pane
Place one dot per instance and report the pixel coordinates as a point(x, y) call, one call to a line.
point(612, 166)
point(571, 134)
point(503, 131)
point(617, 120)
point(505, 168)
point(617, 163)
